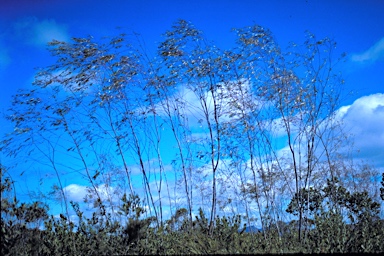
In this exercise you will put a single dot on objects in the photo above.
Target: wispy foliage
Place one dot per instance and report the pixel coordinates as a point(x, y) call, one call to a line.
point(164, 141)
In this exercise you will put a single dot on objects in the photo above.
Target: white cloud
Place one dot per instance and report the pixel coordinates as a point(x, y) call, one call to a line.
point(375, 52)
point(341, 112)
point(188, 99)
point(365, 120)
point(39, 33)
point(77, 193)
point(279, 129)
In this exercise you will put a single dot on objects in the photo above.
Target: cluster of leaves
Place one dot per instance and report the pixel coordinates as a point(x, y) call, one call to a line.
point(23, 234)
point(338, 220)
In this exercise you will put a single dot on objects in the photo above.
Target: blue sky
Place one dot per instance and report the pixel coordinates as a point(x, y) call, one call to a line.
point(357, 27)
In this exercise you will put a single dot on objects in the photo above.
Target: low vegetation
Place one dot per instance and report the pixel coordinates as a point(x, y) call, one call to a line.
point(27, 229)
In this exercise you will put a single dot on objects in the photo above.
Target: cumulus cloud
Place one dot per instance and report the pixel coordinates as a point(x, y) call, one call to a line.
point(374, 53)
point(278, 126)
point(365, 120)
point(191, 98)
point(77, 193)
point(39, 33)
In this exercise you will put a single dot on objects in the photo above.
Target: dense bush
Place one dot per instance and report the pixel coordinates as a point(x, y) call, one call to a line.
point(22, 232)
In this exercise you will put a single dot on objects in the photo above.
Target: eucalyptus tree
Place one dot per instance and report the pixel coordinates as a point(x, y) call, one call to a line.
point(199, 66)
point(82, 114)
point(104, 111)
point(294, 95)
